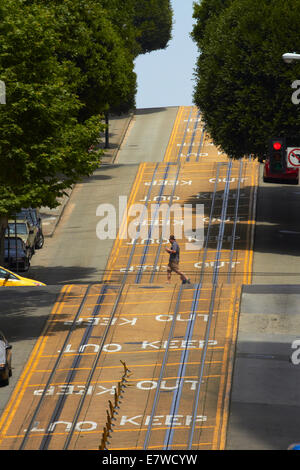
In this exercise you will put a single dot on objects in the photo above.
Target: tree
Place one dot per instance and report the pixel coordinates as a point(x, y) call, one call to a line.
point(91, 41)
point(43, 147)
point(121, 14)
point(153, 22)
point(145, 25)
point(204, 11)
point(243, 87)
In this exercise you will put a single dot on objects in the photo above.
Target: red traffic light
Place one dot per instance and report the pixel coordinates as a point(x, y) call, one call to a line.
point(277, 146)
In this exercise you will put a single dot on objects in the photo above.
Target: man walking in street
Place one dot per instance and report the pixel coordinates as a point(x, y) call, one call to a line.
point(174, 261)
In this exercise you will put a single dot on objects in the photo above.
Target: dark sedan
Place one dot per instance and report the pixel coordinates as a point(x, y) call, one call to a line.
point(5, 360)
point(16, 255)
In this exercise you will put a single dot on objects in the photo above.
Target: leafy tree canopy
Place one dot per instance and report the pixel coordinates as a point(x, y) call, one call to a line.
point(153, 22)
point(243, 87)
point(43, 147)
point(203, 12)
point(65, 63)
point(93, 40)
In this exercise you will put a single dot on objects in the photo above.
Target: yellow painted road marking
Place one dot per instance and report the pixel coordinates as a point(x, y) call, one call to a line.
point(221, 411)
point(174, 134)
point(35, 355)
point(230, 369)
point(124, 223)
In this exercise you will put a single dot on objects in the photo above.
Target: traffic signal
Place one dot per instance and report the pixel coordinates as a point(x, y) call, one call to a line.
point(277, 155)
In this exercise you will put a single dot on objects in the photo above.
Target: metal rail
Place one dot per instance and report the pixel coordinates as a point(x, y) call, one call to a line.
point(201, 143)
point(143, 258)
point(189, 332)
point(184, 136)
point(93, 368)
point(165, 224)
point(138, 277)
point(146, 248)
point(211, 307)
point(72, 372)
point(236, 210)
point(184, 355)
point(140, 222)
point(193, 137)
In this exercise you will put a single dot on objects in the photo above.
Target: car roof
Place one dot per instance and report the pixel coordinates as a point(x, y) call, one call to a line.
point(14, 238)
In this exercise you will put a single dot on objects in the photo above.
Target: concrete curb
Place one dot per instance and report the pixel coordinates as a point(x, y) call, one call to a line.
point(127, 124)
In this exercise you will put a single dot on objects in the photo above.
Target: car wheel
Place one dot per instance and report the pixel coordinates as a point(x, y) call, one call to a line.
point(40, 243)
point(26, 264)
point(5, 377)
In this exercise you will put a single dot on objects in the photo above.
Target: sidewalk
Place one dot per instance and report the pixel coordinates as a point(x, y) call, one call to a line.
point(118, 126)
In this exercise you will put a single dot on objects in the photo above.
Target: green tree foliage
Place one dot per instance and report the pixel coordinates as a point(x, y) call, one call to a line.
point(121, 14)
point(203, 13)
point(146, 25)
point(94, 45)
point(65, 63)
point(43, 147)
point(243, 86)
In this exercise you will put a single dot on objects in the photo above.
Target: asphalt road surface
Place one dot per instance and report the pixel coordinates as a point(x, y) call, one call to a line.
point(264, 407)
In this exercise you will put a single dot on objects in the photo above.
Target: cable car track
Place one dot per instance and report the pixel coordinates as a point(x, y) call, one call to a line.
point(188, 336)
point(71, 374)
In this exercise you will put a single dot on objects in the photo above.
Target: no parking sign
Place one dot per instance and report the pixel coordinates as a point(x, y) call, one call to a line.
point(293, 157)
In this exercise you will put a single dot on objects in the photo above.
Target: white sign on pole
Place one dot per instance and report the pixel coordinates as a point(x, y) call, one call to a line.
point(293, 157)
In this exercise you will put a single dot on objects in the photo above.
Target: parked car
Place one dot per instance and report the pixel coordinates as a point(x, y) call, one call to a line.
point(21, 228)
point(16, 254)
point(5, 360)
point(9, 279)
point(34, 218)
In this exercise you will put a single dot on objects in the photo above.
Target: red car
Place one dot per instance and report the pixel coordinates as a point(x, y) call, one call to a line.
point(289, 174)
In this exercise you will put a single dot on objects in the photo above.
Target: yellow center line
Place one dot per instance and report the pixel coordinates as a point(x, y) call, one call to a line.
point(220, 405)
